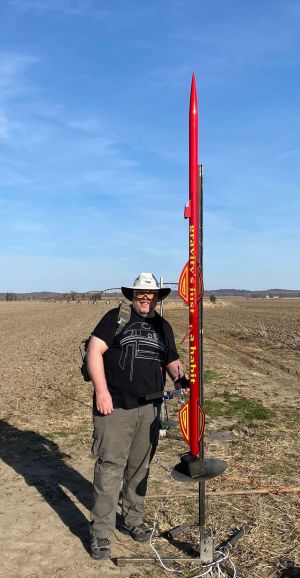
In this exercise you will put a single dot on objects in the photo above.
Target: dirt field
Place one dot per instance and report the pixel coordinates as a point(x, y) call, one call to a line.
point(252, 369)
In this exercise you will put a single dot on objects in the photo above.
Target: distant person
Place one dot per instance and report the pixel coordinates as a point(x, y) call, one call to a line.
point(128, 370)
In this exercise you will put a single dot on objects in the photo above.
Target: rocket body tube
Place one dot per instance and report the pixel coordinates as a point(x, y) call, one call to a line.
point(190, 288)
point(194, 289)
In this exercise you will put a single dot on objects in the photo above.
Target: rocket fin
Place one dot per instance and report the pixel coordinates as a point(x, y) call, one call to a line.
point(184, 421)
point(201, 422)
point(201, 287)
point(183, 417)
point(183, 285)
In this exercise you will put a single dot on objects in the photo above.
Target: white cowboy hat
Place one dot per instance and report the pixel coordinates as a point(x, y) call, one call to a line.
point(148, 282)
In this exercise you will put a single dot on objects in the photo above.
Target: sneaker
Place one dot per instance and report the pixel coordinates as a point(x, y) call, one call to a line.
point(100, 548)
point(140, 533)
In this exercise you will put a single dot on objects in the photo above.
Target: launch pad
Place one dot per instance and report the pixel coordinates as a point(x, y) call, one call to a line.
point(191, 469)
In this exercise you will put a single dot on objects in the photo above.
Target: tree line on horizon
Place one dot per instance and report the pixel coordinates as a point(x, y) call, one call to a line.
point(115, 294)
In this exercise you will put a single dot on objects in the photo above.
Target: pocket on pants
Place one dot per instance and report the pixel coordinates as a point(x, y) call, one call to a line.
point(97, 439)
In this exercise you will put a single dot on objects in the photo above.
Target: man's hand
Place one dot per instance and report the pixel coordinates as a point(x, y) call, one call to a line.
point(182, 383)
point(104, 402)
point(176, 372)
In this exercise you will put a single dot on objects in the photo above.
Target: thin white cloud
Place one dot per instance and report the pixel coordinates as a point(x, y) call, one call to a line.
point(28, 226)
point(170, 76)
point(33, 125)
point(290, 153)
point(4, 126)
point(229, 49)
point(14, 89)
point(13, 68)
point(12, 179)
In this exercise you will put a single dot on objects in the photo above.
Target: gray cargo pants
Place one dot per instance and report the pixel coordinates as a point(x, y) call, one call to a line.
point(124, 444)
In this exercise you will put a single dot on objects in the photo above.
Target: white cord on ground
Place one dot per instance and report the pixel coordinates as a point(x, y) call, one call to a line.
point(229, 560)
point(210, 568)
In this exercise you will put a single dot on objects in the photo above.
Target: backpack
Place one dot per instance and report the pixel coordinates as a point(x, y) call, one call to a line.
point(123, 318)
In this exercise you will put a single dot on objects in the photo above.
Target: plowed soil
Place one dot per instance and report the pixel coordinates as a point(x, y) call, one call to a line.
point(252, 394)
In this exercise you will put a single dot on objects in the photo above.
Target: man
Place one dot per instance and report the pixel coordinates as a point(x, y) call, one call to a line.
point(128, 372)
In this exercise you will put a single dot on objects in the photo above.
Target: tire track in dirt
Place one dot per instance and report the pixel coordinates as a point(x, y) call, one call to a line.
point(233, 344)
point(252, 373)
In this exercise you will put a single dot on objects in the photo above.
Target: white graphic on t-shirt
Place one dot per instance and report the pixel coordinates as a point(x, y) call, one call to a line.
point(140, 341)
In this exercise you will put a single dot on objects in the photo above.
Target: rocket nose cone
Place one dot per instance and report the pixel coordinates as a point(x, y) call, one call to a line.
point(193, 96)
point(193, 84)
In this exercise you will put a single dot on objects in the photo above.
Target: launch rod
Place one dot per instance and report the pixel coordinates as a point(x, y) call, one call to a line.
point(201, 390)
point(201, 366)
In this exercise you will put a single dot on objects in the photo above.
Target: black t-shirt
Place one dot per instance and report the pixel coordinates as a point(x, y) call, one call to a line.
point(136, 358)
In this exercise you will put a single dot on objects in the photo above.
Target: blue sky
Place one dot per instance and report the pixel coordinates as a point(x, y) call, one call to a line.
point(94, 100)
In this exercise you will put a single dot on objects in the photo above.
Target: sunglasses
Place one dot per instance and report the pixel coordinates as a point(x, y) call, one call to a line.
point(149, 294)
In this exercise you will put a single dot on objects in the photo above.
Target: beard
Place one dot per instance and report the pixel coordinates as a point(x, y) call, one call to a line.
point(150, 313)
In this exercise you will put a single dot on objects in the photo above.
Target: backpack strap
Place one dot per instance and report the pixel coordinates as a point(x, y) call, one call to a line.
point(123, 316)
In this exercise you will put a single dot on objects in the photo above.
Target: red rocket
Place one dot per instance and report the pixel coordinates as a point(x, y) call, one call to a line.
point(190, 288)
point(193, 466)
